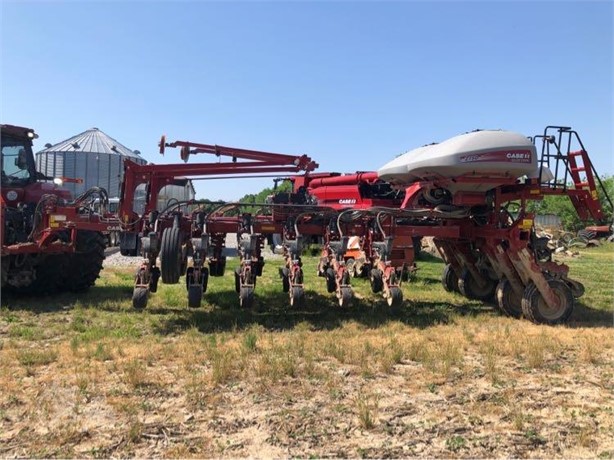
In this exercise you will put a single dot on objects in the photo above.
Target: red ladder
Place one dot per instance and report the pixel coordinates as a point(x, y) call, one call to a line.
point(585, 198)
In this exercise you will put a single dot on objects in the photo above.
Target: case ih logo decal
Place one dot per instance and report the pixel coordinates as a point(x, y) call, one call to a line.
point(518, 156)
point(347, 201)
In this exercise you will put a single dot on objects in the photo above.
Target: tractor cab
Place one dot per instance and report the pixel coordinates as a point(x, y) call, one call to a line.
point(21, 183)
point(18, 167)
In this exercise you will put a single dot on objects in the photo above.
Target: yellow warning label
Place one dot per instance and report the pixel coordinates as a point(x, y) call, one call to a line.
point(526, 224)
point(594, 194)
point(55, 219)
point(534, 191)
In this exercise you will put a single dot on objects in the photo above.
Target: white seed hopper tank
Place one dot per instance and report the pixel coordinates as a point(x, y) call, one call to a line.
point(479, 154)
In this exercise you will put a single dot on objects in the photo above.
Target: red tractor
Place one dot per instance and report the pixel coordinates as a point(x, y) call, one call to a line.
point(50, 242)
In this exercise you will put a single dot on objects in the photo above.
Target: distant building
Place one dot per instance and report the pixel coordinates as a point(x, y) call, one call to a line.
point(97, 159)
point(548, 221)
point(92, 156)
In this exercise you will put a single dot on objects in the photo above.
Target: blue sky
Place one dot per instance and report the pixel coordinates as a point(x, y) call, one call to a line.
point(352, 84)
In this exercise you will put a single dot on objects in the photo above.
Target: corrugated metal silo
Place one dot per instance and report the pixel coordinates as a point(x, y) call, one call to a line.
point(92, 156)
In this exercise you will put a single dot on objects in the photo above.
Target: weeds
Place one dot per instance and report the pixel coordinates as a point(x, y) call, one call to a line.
point(35, 357)
point(135, 373)
point(367, 407)
point(455, 443)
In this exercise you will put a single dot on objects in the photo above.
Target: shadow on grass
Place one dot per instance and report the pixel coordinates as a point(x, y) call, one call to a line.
point(98, 297)
point(320, 311)
point(584, 316)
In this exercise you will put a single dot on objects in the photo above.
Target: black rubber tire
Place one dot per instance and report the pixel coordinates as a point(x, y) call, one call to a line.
point(449, 280)
point(83, 267)
point(246, 297)
point(375, 278)
point(350, 266)
point(469, 287)
point(508, 301)
point(204, 276)
point(155, 277)
point(297, 296)
point(217, 268)
point(171, 255)
point(238, 280)
point(395, 300)
point(195, 295)
point(50, 273)
point(285, 279)
point(189, 278)
point(536, 310)
point(345, 297)
point(331, 280)
point(259, 266)
point(139, 298)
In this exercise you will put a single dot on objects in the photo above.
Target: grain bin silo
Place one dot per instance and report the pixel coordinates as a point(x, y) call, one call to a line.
point(92, 156)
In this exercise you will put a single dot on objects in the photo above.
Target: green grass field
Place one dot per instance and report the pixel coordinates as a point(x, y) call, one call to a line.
point(86, 375)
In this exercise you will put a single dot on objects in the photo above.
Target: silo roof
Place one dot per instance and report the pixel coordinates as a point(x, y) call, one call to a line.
point(92, 141)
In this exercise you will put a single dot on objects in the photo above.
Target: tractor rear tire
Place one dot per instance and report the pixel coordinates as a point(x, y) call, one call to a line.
point(49, 275)
point(171, 255)
point(535, 308)
point(83, 267)
point(508, 301)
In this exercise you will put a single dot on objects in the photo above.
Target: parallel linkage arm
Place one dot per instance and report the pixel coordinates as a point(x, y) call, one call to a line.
point(158, 176)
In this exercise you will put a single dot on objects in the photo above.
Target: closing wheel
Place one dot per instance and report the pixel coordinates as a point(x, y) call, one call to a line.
point(246, 297)
point(285, 280)
point(449, 280)
point(217, 268)
point(195, 295)
point(297, 296)
point(395, 299)
point(375, 278)
point(472, 289)
point(171, 255)
point(331, 280)
point(345, 297)
point(238, 279)
point(154, 277)
point(139, 298)
point(508, 301)
point(204, 278)
point(535, 308)
point(350, 266)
